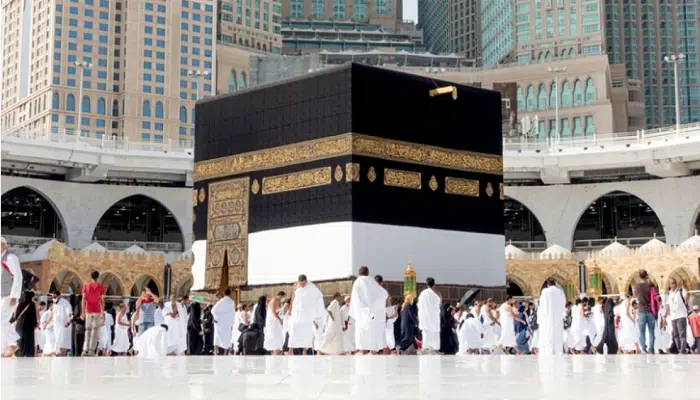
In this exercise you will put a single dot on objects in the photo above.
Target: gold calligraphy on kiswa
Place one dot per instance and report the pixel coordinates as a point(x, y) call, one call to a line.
point(401, 178)
point(297, 180)
point(461, 186)
point(347, 144)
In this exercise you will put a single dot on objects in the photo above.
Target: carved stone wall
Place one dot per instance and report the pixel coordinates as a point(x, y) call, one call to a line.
point(621, 272)
point(66, 267)
point(530, 275)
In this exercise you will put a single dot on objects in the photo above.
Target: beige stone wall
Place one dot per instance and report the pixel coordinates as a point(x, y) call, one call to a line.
point(622, 271)
point(530, 275)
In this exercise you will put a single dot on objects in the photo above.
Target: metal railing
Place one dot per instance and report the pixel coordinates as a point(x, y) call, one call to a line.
point(618, 139)
point(529, 245)
point(27, 244)
point(591, 244)
point(166, 247)
point(109, 143)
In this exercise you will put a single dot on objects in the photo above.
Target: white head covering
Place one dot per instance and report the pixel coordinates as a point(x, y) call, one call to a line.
point(347, 298)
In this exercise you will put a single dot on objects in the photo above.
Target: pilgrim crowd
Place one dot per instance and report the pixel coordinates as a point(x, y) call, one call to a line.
point(366, 322)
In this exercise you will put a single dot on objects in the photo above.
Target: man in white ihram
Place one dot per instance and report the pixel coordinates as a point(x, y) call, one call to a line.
point(307, 307)
point(154, 343)
point(550, 318)
point(429, 316)
point(10, 290)
point(368, 310)
point(224, 313)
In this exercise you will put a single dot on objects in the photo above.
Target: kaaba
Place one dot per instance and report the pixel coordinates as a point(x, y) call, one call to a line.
point(349, 166)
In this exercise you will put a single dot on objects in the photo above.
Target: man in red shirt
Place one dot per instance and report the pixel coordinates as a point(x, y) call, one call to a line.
point(93, 312)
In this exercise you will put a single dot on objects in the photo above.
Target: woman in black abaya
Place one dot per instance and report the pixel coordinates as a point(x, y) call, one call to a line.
point(194, 330)
point(448, 337)
point(260, 317)
point(409, 324)
point(609, 337)
point(26, 321)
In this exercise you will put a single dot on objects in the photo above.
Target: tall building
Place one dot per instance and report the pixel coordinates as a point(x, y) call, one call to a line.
point(464, 29)
point(374, 12)
point(255, 24)
point(639, 34)
point(498, 40)
point(144, 91)
point(550, 29)
point(433, 19)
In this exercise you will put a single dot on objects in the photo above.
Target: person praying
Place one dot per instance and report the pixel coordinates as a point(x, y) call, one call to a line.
point(550, 317)
point(429, 316)
point(224, 314)
point(470, 333)
point(154, 343)
point(333, 336)
point(10, 293)
point(274, 324)
point(368, 310)
point(307, 307)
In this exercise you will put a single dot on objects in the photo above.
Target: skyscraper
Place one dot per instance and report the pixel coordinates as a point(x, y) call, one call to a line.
point(465, 29)
point(433, 19)
point(376, 12)
point(146, 90)
point(253, 24)
point(639, 34)
point(497, 31)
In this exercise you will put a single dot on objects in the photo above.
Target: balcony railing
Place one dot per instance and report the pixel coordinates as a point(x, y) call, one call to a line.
point(105, 142)
point(27, 244)
point(594, 244)
point(530, 246)
point(619, 139)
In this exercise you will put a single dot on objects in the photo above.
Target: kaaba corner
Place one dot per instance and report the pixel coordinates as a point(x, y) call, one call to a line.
point(349, 166)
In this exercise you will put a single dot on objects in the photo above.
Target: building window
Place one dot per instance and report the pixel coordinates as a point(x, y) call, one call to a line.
point(542, 97)
point(55, 102)
point(183, 114)
point(531, 99)
point(101, 108)
point(578, 129)
point(243, 81)
point(70, 103)
point(565, 94)
point(521, 100)
point(146, 109)
point(565, 128)
point(159, 109)
point(232, 81)
point(578, 93)
point(590, 91)
point(590, 128)
point(86, 104)
point(145, 137)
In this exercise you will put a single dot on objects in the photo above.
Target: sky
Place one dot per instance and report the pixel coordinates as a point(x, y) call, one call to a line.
point(410, 10)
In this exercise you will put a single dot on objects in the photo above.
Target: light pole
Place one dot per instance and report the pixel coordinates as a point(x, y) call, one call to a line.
point(676, 59)
point(198, 74)
point(81, 66)
point(556, 71)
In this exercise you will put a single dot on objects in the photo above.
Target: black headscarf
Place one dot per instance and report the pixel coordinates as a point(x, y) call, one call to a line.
point(261, 312)
point(609, 331)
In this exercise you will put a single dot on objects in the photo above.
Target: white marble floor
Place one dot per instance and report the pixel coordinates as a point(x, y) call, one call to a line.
point(358, 377)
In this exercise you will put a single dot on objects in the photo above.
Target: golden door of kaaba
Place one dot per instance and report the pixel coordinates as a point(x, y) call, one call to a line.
point(227, 233)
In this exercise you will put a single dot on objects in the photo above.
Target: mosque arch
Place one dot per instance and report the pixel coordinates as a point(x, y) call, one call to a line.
point(628, 284)
point(113, 285)
point(139, 218)
point(146, 281)
point(521, 224)
point(617, 214)
point(681, 276)
point(517, 286)
point(26, 211)
point(182, 288)
point(70, 282)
